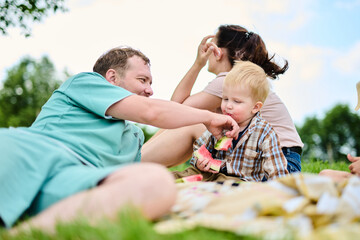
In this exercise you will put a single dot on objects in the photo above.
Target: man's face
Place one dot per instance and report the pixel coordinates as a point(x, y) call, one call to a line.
point(137, 78)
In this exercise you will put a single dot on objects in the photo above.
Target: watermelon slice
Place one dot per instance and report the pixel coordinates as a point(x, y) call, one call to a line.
point(223, 143)
point(203, 153)
point(215, 164)
point(193, 178)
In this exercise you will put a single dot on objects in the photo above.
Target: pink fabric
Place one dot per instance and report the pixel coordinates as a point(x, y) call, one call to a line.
point(274, 111)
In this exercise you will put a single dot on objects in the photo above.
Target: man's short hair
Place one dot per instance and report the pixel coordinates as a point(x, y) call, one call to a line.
point(246, 73)
point(116, 59)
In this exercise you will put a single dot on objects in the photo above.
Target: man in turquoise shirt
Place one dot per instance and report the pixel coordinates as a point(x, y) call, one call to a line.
point(81, 155)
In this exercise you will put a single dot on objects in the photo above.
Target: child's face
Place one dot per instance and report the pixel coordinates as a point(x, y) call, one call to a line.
point(238, 103)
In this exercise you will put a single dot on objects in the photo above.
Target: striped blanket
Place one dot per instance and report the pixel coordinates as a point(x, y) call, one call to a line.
point(298, 206)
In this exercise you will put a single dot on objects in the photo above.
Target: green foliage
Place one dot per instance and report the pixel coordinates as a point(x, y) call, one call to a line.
point(21, 13)
point(332, 137)
point(27, 87)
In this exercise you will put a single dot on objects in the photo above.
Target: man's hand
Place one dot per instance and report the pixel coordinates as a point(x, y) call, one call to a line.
point(223, 122)
point(355, 165)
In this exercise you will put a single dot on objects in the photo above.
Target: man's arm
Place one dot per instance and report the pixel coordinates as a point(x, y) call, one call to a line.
point(167, 114)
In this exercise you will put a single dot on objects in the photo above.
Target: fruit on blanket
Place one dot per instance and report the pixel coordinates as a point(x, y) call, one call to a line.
point(203, 153)
point(193, 178)
point(223, 143)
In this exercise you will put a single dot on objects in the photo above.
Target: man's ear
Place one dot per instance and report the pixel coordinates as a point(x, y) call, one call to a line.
point(111, 76)
point(257, 107)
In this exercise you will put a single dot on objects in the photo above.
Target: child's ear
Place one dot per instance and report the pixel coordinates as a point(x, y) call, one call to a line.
point(257, 107)
point(110, 76)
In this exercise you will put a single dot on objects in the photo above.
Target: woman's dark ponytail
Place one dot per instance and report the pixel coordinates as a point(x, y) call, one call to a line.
point(248, 46)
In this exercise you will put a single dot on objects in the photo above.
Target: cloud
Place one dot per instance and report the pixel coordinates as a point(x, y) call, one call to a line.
point(349, 62)
point(300, 20)
point(306, 62)
point(302, 87)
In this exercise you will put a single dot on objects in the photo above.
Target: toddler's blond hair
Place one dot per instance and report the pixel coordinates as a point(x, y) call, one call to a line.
point(246, 73)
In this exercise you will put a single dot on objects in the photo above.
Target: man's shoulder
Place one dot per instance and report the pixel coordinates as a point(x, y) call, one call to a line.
point(87, 75)
point(85, 78)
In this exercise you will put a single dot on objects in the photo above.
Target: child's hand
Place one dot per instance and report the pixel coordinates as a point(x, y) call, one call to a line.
point(204, 165)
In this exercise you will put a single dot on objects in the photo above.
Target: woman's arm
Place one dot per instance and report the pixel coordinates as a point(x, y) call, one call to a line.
point(203, 100)
point(183, 90)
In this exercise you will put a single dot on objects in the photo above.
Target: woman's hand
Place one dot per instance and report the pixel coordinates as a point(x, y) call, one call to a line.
point(205, 49)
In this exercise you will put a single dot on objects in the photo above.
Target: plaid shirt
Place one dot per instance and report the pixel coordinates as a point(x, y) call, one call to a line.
point(257, 154)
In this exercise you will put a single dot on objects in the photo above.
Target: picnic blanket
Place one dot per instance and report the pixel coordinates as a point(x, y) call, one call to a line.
point(297, 206)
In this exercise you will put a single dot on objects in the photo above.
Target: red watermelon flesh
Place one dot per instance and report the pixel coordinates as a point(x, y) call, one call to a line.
point(203, 153)
point(193, 178)
point(215, 165)
point(223, 143)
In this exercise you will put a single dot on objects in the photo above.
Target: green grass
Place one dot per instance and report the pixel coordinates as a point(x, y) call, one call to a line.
point(131, 225)
point(316, 166)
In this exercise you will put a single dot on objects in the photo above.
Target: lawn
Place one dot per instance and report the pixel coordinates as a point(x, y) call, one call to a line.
point(130, 225)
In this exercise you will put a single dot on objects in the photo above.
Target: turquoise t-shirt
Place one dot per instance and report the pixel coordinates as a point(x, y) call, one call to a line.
point(75, 116)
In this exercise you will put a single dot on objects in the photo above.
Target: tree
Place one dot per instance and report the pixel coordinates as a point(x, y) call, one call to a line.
point(21, 13)
point(27, 87)
point(310, 134)
point(340, 132)
point(332, 137)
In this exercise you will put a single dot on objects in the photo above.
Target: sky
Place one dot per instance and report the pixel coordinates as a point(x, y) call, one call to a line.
point(319, 38)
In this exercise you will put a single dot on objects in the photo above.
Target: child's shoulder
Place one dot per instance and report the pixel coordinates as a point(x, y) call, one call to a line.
point(261, 123)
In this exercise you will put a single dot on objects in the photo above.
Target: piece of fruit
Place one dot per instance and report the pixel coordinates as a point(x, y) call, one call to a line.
point(203, 153)
point(223, 143)
point(192, 178)
point(215, 164)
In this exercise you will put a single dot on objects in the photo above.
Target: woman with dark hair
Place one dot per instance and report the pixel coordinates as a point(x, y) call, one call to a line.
point(231, 43)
